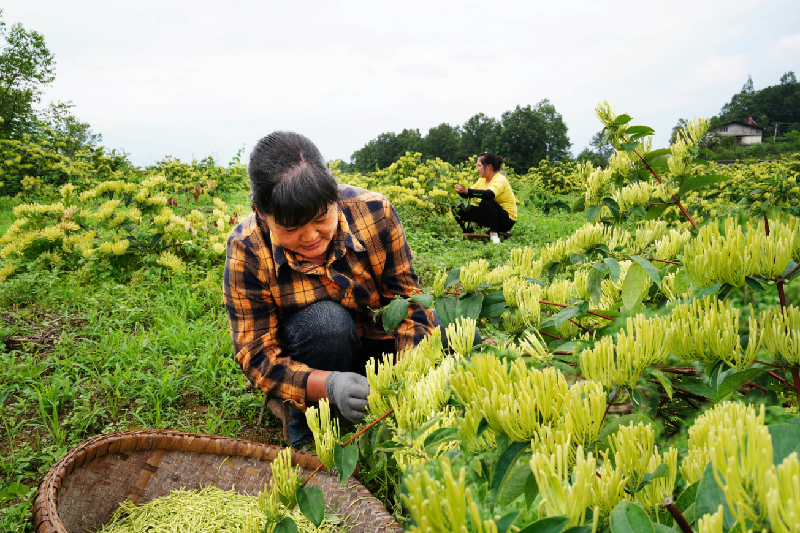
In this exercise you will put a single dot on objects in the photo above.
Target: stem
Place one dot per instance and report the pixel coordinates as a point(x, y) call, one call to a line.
point(766, 223)
point(781, 295)
point(663, 261)
point(354, 437)
point(551, 336)
point(796, 378)
point(565, 305)
point(674, 198)
point(362, 430)
point(762, 389)
point(608, 406)
point(768, 364)
point(781, 279)
point(677, 515)
point(776, 376)
point(577, 324)
point(683, 371)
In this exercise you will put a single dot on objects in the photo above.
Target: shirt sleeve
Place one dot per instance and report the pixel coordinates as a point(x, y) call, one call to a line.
point(254, 328)
point(399, 279)
point(497, 186)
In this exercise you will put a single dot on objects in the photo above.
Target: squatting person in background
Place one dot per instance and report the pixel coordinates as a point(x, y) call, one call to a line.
point(302, 275)
point(497, 208)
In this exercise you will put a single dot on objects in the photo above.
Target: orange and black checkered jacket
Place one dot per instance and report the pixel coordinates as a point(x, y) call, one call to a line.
point(369, 263)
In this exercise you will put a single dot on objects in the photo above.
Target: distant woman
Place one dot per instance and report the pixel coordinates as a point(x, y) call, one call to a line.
point(497, 207)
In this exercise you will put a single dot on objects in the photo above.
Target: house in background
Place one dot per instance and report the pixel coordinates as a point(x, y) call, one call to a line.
point(746, 134)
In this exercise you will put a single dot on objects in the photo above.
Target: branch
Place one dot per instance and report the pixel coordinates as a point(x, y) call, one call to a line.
point(669, 503)
point(565, 305)
point(781, 279)
point(608, 406)
point(362, 430)
point(674, 198)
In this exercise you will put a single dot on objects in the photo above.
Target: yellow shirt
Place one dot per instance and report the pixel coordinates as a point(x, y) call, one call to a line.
point(503, 194)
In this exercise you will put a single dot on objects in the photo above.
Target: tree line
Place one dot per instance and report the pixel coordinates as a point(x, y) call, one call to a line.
point(523, 136)
point(27, 67)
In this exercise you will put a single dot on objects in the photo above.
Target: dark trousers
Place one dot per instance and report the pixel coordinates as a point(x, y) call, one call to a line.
point(324, 337)
point(488, 214)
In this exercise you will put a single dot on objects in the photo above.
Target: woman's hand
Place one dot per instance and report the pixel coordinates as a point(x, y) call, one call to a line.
point(460, 189)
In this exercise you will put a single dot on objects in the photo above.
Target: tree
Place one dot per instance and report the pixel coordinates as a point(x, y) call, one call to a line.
point(64, 125)
point(600, 155)
point(384, 150)
point(530, 134)
point(774, 104)
point(443, 141)
point(26, 66)
point(474, 132)
point(682, 122)
point(788, 78)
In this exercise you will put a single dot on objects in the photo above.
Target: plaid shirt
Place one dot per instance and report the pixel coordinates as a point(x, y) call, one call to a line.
point(368, 263)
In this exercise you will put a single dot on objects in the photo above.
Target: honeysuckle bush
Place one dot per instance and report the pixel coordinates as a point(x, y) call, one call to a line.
point(120, 225)
point(36, 171)
point(631, 312)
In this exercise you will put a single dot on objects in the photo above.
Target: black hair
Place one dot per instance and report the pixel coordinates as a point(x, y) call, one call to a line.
point(495, 161)
point(289, 179)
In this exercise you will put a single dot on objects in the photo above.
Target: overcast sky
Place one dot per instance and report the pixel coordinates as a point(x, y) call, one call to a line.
point(190, 79)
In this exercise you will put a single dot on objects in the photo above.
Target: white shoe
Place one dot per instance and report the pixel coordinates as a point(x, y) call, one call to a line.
point(494, 238)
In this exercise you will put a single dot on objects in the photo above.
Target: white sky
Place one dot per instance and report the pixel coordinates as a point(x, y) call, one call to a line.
point(198, 78)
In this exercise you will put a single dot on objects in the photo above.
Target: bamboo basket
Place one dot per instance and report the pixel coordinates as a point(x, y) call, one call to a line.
point(86, 485)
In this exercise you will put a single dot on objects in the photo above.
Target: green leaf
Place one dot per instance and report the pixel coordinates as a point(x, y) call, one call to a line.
point(345, 460)
point(661, 470)
point(681, 282)
point(622, 119)
point(595, 284)
point(649, 269)
point(440, 435)
point(700, 181)
point(286, 525)
point(628, 517)
point(446, 309)
point(638, 211)
point(394, 314)
point(710, 496)
point(658, 153)
point(687, 497)
point(655, 211)
point(632, 286)
point(612, 206)
point(613, 268)
point(469, 305)
point(706, 151)
point(566, 314)
point(785, 440)
point(506, 521)
point(385, 446)
point(664, 380)
point(637, 130)
point(155, 240)
point(505, 464)
point(734, 381)
point(630, 147)
point(661, 528)
point(579, 205)
point(494, 304)
point(311, 503)
point(579, 529)
point(495, 297)
point(551, 524)
point(453, 277)
point(593, 211)
point(425, 300)
point(531, 490)
point(514, 485)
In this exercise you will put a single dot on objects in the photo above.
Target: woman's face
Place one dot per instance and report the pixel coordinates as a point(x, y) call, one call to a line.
point(310, 239)
point(483, 170)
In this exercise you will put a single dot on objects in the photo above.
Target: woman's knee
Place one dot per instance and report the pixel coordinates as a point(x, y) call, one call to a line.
point(322, 336)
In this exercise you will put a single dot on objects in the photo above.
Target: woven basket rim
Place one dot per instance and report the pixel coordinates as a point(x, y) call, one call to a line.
point(45, 506)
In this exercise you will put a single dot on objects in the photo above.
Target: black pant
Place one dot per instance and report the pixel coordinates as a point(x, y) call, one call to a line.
point(488, 214)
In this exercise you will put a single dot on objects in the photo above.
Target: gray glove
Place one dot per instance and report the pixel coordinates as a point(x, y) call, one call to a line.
point(348, 391)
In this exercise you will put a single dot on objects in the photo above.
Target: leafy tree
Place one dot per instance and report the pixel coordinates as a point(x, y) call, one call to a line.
point(62, 124)
point(601, 153)
point(475, 131)
point(529, 135)
point(384, 150)
point(774, 104)
point(444, 141)
point(26, 66)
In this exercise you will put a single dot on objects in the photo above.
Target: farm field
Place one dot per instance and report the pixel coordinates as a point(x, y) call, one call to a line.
point(635, 331)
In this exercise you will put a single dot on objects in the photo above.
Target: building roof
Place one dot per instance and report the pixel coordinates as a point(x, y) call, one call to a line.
point(743, 124)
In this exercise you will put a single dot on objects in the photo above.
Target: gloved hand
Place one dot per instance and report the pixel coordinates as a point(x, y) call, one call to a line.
point(348, 391)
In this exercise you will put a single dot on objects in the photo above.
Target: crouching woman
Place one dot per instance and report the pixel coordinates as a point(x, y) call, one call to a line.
point(303, 273)
point(497, 207)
